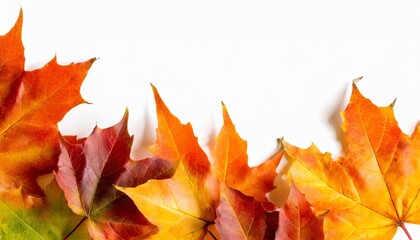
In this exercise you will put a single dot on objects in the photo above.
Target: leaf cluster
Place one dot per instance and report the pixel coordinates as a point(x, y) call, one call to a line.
point(96, 191)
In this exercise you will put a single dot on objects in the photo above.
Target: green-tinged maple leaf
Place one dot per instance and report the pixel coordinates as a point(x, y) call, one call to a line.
point(87, 170)
point(26, 217)
point(31, 104)
point(231, 163)
point(297, 219)
point(374, 188)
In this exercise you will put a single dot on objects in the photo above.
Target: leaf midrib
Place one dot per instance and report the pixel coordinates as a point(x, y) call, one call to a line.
point(339, 193)
point(170, 209)
point(376, 157)
point(99, 178)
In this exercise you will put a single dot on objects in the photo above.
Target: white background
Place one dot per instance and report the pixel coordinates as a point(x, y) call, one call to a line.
point(284, 69)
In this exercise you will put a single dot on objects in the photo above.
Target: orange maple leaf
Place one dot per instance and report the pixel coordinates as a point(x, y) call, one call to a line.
point(231, 163)
point(374, 188)
point(31, 104)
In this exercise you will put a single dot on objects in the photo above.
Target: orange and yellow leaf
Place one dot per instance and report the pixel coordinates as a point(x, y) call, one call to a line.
point(374, 188)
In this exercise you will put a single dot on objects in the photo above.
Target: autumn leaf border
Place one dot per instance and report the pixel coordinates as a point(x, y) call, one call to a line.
point(98, 191)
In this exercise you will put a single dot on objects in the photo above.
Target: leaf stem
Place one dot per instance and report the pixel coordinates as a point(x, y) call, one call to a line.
point(74, 229)
point(406, 231)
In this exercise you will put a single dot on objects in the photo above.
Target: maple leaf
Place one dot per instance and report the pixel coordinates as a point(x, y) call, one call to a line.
point(87, 170)
point(231, 163)
point(27, 217)
point(31, 104)
point(297, 219)
point(372, 190)
point(182, 207)
point(240, 216)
